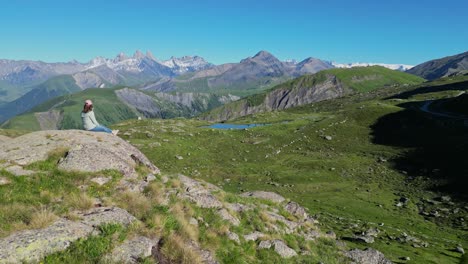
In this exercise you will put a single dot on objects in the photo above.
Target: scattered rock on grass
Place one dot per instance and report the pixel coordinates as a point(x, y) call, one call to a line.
point(228, 217)
point(253, 236)
point(32, 245)
point(295, 209)
point(19, 171)
point(234, 237)
point(133, 250)
point(280, 247)
point(4, 181)
point(103, 215)
point(368, 256)
point(101, 180)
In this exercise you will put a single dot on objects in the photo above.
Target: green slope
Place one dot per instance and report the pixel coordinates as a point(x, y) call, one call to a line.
point(110, 109)
point(51, 88)
point(357, 79)
point(364, 79)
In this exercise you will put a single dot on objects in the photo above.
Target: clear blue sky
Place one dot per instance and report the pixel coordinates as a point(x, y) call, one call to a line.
point(392, 31)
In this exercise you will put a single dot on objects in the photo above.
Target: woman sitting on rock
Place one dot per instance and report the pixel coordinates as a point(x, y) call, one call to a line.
point(89, 121)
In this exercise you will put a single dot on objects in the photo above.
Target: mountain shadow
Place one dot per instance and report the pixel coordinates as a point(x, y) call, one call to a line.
point(438, 147)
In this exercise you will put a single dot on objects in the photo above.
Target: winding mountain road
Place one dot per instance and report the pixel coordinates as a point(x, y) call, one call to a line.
point(426, 108)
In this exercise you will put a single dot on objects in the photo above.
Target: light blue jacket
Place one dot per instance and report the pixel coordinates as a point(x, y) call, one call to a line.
point(89, 121)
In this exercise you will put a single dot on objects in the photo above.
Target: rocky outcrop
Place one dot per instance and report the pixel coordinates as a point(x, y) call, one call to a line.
point(198, 102)
point(367, 256)
point(87, 151)
point(280, 247)
point(33, 245)
point(88, 80)
point(143, 103)
point(4, 138)
point(49, 120)
point(199, 194)
point(133, 250)
point(304, 90)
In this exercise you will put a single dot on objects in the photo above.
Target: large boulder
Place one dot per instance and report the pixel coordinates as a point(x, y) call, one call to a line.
point(367, 256)
point(4, 138)
point(280, 247)
point(199, 193)
point(87, 151)
point(32, 245)
point(133, 250)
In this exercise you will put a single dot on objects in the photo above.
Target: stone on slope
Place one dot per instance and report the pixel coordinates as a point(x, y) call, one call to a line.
point(104, 215)
point(4, 181)
point(270, 196)
point(131, 251)
point(367, 256)
point(253, 236)
point(295, 209)
point(33, 245)
point(228, 217)
point(4, 138)
point(18, 171)
point(88, 151)
point(280, 247)
point(101, 180)
point(234, 237)
point(199, 193)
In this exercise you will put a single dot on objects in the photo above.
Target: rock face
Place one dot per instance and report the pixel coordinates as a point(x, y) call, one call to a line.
point(280, 247)
point(295, 209)
point(49, 120)
point(4, 138)
point(304, 90)
point(367, 256)
point(32, 245)
point(199, 194)
point(87, 151)
point(141, 102)
point(103, 215)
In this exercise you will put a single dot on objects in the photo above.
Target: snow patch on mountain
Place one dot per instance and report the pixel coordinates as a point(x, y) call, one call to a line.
point(399, 67)
point(186, 64)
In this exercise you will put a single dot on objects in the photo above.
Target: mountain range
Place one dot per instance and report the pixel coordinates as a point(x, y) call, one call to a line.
point(442, 67)
point(25, 84)
point(324, 85)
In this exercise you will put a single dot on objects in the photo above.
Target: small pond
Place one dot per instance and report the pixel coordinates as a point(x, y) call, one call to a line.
point(234, 126)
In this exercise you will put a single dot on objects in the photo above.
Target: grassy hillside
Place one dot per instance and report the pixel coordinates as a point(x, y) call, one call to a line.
point(357, 79)
point(364, 79)
point(350, 160)
point(51, 88)
point(110, 109)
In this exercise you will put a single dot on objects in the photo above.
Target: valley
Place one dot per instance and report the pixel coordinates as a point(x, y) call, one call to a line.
point(375, 156)
point(360, 162)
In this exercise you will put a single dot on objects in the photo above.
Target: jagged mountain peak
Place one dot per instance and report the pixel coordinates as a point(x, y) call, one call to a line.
point(150, 55)
point(121, 57)
point(138, 55)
